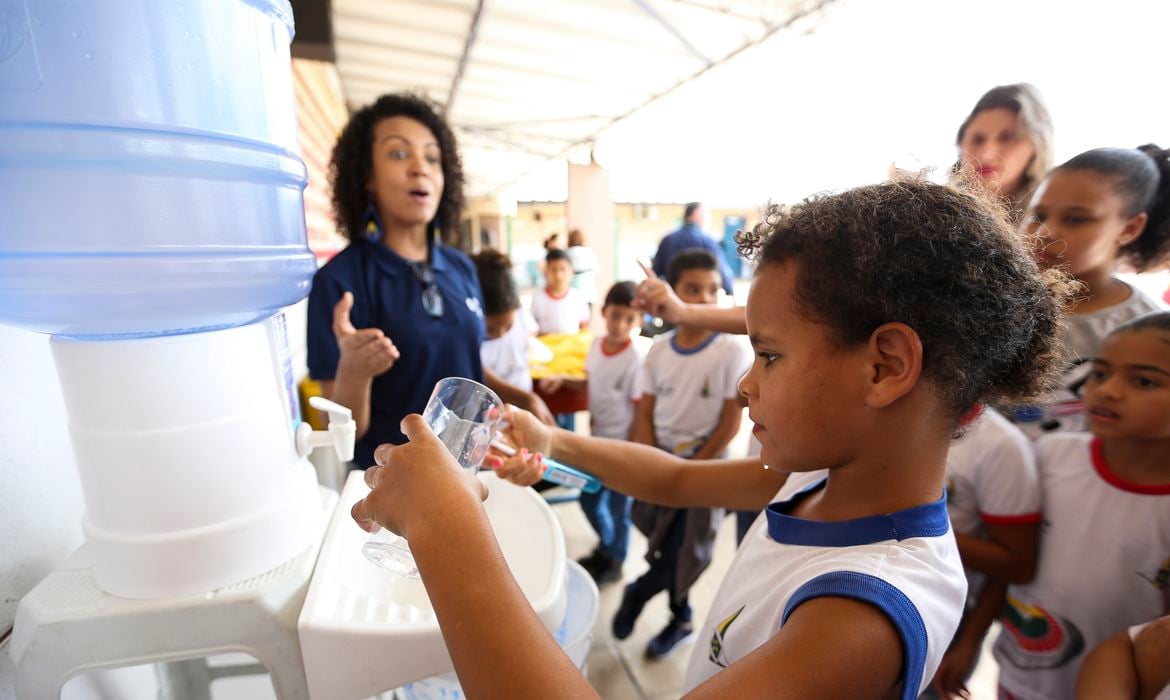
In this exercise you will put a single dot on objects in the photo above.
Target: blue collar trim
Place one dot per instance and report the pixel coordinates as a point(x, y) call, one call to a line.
point(396, 264)
point(927, 520)
point(691, 351)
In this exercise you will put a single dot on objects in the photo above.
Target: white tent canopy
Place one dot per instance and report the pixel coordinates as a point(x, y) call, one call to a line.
point(531, 82)
point(741, 101)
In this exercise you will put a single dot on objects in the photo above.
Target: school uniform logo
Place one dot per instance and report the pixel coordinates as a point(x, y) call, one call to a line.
point(718, 651)
point(1036, 638)
point(473, 305)
point(1159, 579)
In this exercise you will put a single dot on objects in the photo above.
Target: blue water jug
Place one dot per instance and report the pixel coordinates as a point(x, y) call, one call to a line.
point(150, 178)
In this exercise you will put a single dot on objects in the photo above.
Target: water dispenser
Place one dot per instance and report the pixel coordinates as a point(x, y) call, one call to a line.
point(153, 222)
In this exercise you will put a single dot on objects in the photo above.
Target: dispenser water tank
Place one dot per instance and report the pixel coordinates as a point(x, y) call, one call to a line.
point(150, 181)
point(151, 218)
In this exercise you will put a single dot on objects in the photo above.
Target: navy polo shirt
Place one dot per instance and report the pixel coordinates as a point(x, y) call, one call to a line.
point(690, 236)
point(388, 295)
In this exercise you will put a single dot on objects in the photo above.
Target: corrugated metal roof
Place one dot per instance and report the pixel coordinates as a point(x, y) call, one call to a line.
point(529, 81)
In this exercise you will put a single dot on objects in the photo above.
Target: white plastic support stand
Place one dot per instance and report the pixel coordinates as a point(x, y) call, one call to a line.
point(67, 625)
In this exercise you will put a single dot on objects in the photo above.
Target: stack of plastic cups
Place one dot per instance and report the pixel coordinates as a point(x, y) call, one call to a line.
point(153, 223)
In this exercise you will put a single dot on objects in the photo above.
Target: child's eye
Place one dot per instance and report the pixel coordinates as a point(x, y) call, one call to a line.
point(1075, 220)
point(1096, 375)
point(768, 357)
point(433, 160)
point(398, 154)
point(1143, 383)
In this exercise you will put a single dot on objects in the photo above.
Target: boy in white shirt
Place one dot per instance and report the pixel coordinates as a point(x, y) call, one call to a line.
point(690, 408)
point(879, 316)
point(613, 368)
point(559, 308)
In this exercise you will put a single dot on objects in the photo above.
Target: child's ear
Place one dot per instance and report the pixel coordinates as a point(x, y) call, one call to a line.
point(895, 363)
point(1133, 229)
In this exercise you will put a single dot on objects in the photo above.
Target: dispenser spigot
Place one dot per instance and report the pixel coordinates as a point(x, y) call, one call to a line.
point(341, 433)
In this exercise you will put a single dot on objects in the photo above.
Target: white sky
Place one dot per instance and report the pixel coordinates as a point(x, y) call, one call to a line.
point(883, 81)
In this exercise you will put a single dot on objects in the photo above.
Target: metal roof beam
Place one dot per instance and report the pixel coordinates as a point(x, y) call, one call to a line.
point(503, 134)
point(724, 11)
point(672, 30)
point(472, 33)
point(506, 147)
point(506, 126)
point(771, 31)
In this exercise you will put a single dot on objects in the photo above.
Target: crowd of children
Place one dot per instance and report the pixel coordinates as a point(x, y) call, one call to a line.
point(883, 322)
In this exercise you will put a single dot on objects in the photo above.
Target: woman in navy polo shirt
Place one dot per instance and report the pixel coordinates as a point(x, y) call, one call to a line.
point(396, 311)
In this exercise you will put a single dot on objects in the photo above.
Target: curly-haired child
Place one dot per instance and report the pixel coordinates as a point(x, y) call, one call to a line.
point(878, 317)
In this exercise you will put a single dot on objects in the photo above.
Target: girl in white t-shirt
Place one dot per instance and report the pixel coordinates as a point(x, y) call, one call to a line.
point(1104, 210)
point(1105, 543)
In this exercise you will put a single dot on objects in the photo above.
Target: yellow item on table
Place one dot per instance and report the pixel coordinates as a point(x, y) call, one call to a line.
point(568, 355)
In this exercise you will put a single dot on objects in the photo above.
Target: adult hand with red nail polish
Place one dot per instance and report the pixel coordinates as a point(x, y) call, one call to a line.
point(523, 469)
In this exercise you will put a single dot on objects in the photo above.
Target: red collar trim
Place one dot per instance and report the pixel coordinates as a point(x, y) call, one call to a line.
point(971, 416)
point(615, 352)
point(1111, 478)
point(554, 296)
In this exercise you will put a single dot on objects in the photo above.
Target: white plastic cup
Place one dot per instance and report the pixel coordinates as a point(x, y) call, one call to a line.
point(464, 414)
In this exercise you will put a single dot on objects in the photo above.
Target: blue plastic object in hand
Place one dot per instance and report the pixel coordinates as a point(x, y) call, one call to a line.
point(565, 475)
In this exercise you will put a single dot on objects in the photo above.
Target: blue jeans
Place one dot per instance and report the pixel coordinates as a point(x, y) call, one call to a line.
point(609, 514)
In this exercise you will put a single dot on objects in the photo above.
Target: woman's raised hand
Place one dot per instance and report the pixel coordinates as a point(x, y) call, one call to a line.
point(365, 352)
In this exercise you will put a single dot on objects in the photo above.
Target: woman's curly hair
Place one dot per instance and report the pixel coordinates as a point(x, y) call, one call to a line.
point(944, 262)
point(352, 163)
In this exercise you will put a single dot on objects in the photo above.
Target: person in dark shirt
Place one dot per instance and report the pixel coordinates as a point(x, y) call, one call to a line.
point(690, 235)
point(397, 311)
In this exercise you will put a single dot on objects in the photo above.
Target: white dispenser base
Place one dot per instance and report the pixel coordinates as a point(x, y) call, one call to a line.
point(365, 630)
point(187, 459)
point(66, 625)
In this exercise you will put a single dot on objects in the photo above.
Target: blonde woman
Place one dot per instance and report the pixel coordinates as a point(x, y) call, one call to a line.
point(1005, 143)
